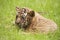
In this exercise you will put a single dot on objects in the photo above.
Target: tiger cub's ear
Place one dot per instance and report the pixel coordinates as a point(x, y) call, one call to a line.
point(18, 9)
point(32, 13)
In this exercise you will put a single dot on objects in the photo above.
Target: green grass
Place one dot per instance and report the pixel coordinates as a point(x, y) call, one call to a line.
point(9, 31)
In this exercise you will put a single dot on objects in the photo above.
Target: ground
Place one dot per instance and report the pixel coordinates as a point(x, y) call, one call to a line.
point(9, 31)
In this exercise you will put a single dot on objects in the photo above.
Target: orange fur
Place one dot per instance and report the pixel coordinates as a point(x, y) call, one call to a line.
point(41, 24)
